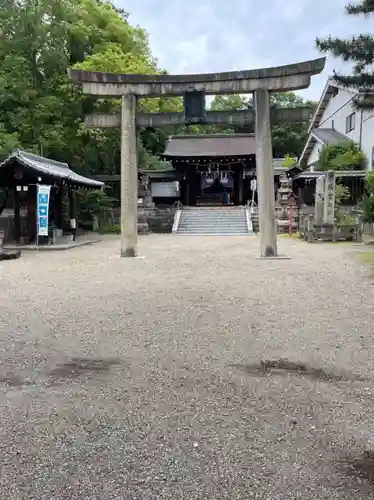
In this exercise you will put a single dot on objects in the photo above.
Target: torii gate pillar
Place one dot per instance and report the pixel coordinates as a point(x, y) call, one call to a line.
point(265, 175)
point(129, 177)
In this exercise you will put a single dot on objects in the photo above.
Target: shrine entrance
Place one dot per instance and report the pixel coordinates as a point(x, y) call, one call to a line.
point(213, 165)
point(194, 89)
point(213, 187)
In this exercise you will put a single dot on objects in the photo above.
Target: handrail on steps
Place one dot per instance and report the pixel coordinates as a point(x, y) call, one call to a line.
point(179, 207)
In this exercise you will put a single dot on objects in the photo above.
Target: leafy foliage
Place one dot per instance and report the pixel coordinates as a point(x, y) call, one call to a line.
point(345, 155)
point(368, 200)
point(40, 110)
point(288, 138)
point(288, 162)
point(360, 51)
point(93, 203)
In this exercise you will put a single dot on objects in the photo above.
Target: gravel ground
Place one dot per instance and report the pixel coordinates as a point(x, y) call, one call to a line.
point(196, 372)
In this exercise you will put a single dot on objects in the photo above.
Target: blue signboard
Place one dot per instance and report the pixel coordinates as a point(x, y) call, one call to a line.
point(43, 195)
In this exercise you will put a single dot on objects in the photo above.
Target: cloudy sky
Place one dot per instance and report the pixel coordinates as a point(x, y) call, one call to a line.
point(191, 36)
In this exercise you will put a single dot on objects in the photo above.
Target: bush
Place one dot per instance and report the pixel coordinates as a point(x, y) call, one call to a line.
point(114, 229)
point(367, 206)
point(93, 203)
point(345, 155)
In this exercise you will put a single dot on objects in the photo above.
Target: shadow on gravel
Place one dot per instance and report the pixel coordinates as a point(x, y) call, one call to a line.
point(284, 367)
point(361, 467)
point(12, 380)
point(82, 366)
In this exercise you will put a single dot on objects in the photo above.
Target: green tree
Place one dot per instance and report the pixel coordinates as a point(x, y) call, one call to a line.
point(368, 200)
point(229, 102)
point(40, 110)
point(288, 138)
point(360, 51)
point(345, 155)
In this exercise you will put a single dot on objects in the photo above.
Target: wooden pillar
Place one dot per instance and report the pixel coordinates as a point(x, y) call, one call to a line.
point(187, 191)
point(193, 187)
point(241, 186)
point(59, 207)
point(17, 216)
point(72, 204)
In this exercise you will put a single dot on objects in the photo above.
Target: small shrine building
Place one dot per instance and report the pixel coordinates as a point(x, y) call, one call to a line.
point(208, 165)
point(20, 174)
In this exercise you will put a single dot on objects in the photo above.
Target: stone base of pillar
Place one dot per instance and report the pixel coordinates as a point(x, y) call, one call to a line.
point(128, 252)
point(276, 257)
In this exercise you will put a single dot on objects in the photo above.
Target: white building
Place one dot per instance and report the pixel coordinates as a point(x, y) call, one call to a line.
point(336, 119)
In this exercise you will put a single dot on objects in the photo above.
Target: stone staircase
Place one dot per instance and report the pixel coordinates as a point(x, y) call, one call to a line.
point(213, 221)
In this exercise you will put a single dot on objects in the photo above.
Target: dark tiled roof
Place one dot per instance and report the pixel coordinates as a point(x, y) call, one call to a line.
point(194, 146)
point(48, 167)
point(329, 135)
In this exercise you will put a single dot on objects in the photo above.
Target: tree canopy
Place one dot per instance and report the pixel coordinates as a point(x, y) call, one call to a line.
point(288, 138)
point(41, 111)
point(360, 51)
point(345, 155)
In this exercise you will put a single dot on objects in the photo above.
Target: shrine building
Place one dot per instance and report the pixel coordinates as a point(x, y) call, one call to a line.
point(207, 165)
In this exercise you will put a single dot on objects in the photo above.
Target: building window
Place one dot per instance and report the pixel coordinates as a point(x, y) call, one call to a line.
point(350, 122)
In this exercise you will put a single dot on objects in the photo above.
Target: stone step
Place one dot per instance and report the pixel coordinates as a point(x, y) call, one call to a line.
point(213, 221)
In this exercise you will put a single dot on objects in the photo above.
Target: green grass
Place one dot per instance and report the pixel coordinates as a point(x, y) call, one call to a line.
point(107, 229)
point(296, 236)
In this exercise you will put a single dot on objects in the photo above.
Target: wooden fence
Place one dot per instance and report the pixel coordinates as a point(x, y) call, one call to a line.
point(368, 229)
point(310, 231)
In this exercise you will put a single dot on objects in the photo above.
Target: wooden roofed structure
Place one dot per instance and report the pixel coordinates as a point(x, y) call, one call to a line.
point(20, 174)
point(210, 164)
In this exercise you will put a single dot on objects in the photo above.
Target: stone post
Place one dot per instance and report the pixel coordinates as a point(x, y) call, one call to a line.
point(129, 178)
point(359, 229)
point(310, 228)
point(329, 198)
point(265, 175)
point(319, 202)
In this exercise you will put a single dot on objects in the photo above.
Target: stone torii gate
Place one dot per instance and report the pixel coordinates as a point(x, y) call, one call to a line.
point(194, 88)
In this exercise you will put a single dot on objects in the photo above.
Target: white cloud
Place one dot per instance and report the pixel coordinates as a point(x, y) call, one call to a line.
point(217, 35)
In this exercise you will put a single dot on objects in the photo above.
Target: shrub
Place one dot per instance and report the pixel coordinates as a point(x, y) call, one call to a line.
point(93, 203)
point(345, 155)
point(114, 229)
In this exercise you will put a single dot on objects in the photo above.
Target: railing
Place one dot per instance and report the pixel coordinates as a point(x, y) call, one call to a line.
point(249, 220)
point(310, 231)
point(179, 207)
point(368, 229)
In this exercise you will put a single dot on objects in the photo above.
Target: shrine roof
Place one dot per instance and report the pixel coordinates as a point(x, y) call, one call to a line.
point(210, 146)
point(46, 168)
point(329, 135)
point(341, 174)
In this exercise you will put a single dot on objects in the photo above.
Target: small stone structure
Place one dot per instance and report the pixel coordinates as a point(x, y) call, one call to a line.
point(319, 199)
point(285, 207)
point(7, 254)
point(323, 225)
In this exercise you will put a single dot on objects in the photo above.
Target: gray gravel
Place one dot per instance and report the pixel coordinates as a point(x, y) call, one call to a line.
point(142, 378)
